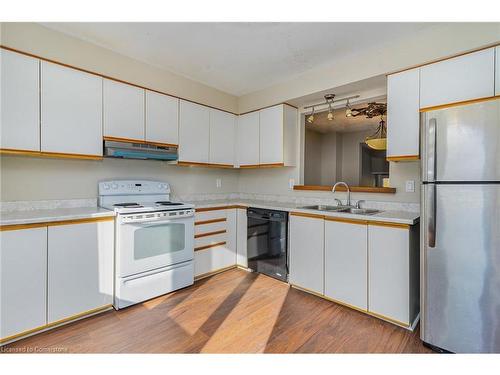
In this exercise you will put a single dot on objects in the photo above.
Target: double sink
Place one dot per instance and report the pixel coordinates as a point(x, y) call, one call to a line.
point(344, 209)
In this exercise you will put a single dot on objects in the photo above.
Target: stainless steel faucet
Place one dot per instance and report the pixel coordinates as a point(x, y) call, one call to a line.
point(348, 191)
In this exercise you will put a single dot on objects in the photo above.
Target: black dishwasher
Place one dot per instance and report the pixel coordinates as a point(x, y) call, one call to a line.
point(267, 232)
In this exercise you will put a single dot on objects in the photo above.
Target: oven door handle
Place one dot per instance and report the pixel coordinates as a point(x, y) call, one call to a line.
point(148, 224)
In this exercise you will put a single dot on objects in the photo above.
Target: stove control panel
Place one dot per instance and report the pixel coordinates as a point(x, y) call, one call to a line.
point(135, 187)
point(155, 216)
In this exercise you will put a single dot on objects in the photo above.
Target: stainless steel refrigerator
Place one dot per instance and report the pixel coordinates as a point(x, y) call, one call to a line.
point(460, 228)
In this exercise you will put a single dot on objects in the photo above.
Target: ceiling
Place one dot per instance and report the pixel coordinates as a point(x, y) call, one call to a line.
point(237, 58)
point(341, 123)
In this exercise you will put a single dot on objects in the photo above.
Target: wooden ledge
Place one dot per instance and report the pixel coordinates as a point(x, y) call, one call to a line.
point(354, 189)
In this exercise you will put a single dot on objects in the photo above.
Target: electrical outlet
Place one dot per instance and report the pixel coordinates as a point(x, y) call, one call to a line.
point(218, 183)
point(410, 186)
point(291, 183)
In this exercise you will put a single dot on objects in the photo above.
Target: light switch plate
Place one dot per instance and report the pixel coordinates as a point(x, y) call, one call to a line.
point(410, 186)
point(218, 182)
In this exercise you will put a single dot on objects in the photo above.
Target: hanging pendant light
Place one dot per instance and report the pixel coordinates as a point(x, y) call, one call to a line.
point(330, 113)
point(378, 140)
point(310, 118)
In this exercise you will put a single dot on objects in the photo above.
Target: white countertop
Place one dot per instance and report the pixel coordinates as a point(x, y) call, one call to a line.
point(399, 217)
point(51, 215)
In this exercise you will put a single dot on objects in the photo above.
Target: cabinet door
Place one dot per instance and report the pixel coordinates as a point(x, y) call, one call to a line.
point(71, 113)
point(497, 71)
point(162, 118)
point(20, 122)
point(241, 238)
point(271, 135)
point(80, 268)
point(389, 272)
point(194, 132)
point(23, 280)
point(222, 137)
point(123, 110)
point(248, 139)
point(458, 79)
point(403, 117)
point(346, 263)
point(306, 252)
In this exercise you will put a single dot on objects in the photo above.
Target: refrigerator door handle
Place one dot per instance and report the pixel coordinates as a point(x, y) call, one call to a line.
point(431, 222)
point(431, 150)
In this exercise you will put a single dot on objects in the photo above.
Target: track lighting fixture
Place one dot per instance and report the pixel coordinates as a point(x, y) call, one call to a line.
point(348, 110)
point(330, 113)
point(310, 118)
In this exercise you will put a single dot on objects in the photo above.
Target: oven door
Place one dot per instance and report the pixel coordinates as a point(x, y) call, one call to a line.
point(145, 246)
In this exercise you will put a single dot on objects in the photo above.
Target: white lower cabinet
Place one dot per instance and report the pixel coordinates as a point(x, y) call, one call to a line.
point(346, 262)
point(23, 275)
point(215, 240)
point(80, 268)
point(306, 252)
point(241, 238)
point(393, 277)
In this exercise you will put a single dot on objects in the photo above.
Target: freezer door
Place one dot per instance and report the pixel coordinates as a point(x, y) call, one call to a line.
point(462, 143)
point(460, 272)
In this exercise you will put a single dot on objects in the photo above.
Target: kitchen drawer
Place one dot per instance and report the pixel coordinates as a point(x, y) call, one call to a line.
point(210, 240)
point(213, 259)
point(210, 227)
point(209, 215)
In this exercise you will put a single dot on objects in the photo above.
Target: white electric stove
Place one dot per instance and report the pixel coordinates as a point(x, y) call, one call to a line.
point(154, 244)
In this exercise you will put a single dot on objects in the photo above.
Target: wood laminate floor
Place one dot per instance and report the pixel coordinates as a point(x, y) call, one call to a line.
point(232, 312)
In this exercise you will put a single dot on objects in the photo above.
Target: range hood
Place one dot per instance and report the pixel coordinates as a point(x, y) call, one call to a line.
point(131, 150)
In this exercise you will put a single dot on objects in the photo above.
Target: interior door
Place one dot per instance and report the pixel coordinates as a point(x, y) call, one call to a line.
point(467, 142)
point(461, 267)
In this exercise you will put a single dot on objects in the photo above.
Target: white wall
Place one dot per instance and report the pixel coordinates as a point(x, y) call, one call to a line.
point(27, 178)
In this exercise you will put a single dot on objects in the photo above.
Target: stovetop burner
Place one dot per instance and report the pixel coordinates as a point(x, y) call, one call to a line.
point(168, 203)
point(130, 205)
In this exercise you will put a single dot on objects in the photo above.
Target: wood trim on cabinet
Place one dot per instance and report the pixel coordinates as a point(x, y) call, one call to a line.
point(456, 104)
point(56, 323)
point(46, 154)
point(198, 164)
point(269, 106)
point(446, 58)
point(237, 206)
point(268, 165)
point(202, 222)
point(207, 234)
point(248, 166)
point(55, 223)
point(209, 246)
point(141, 141)
point(389, 224)
point(304, 214)
point(354, 189)
point(403, 158)
point(211, 273)
point(109, 77)
point(346, 220)
point(205, 209)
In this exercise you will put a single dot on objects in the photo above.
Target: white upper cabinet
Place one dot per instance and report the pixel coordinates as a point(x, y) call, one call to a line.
point(306, 252)
point(403, 117)
point(71, 111)
point(222, 137)
point(271, 135)
point(162, 118)
point(23, 280)
point(80, 268)
point(346, 263)
point(20, 122)
point(123, 110)
point(247, 143)
point(194, 132)
point(462, 78)
point(497, 70)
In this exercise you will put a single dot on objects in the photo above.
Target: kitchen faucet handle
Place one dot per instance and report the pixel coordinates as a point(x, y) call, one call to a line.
point(358, 203)
point(339, 202)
